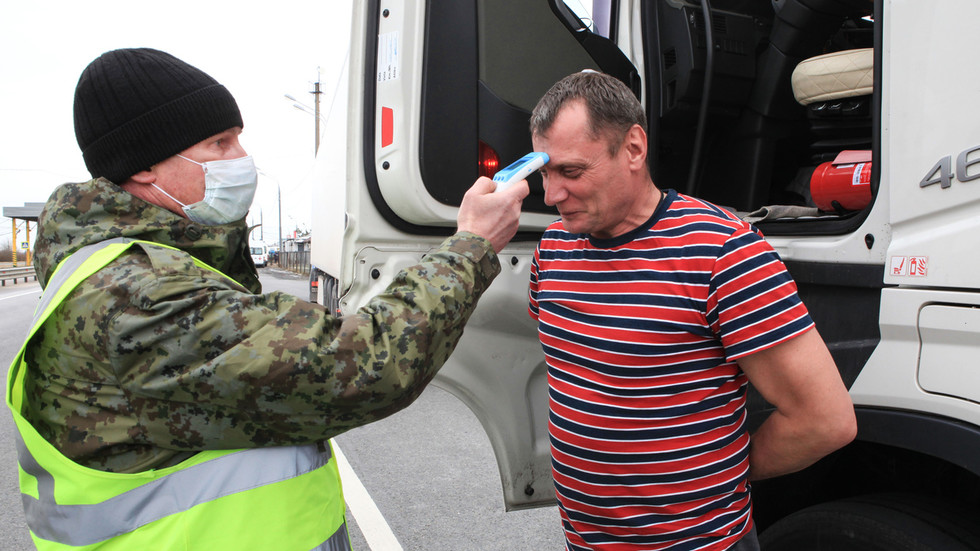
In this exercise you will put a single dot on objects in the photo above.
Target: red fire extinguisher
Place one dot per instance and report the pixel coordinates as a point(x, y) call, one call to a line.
point(835, 185)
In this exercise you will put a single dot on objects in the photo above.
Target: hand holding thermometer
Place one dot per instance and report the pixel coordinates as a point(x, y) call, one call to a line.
point(520, 169)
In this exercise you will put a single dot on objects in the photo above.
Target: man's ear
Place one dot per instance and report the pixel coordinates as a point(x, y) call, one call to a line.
point(144, 177)
point(636, 146)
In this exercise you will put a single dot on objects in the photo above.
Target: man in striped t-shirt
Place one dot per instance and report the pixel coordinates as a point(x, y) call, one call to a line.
point(655, 310)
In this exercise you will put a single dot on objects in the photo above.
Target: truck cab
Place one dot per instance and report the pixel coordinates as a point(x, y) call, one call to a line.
point(833, 125)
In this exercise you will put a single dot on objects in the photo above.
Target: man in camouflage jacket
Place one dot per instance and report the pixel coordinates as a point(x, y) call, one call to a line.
point(153, 358)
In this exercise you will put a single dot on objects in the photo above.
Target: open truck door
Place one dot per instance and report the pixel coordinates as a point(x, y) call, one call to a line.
point(440, 93)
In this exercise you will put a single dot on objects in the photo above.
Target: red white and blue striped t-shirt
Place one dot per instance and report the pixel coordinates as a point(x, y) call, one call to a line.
point(647, 405)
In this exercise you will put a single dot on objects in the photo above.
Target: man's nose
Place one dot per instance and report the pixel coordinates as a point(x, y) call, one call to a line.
point(238, 149)
point(554, 191)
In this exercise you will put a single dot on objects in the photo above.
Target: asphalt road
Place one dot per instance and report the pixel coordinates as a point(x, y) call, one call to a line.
point(429, 469)
point(17, 304)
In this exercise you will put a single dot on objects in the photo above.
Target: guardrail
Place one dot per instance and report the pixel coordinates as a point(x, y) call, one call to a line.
point(8, 274)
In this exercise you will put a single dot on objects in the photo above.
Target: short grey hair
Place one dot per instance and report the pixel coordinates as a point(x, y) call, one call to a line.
point(611, 105)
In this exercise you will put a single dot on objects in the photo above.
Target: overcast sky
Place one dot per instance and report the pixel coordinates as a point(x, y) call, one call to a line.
point(259, 50)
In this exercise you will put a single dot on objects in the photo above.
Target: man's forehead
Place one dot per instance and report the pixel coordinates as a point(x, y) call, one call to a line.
point(570, 143)
point(574, 110)
point(570, 120)
point(233, 131)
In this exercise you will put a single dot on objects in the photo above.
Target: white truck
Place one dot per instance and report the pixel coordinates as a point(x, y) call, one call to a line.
point(259, 252)
point(440, 92)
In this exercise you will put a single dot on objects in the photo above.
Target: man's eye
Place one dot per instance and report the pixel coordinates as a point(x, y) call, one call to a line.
point(573, 173)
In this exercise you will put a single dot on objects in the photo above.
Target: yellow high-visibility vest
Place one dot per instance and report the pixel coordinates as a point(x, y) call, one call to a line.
point(283, 498)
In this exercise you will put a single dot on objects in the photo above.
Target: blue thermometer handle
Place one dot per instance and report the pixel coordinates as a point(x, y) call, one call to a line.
point(520, 169)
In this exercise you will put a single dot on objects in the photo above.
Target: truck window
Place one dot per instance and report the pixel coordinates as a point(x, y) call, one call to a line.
point(595, 15)
point(518, 51)
point(484, 65)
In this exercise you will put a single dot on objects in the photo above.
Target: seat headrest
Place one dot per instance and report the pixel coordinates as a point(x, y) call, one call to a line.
point(836, 75)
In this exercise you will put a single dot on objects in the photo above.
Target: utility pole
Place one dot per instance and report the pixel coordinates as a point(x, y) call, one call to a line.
point(316, 113)
point(279, 250)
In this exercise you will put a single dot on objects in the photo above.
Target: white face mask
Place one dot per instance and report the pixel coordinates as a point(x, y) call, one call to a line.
point(229, 187)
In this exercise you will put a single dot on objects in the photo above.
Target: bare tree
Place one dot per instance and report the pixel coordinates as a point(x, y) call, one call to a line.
point(6, 253)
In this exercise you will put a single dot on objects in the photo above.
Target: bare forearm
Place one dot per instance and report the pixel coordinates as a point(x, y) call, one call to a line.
point(781, 447)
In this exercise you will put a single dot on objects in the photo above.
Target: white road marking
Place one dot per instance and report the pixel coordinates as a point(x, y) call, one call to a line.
point(34, 292)
point(369, 519)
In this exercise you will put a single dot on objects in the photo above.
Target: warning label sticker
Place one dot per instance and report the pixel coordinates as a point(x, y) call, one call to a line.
point(389, 60)
point(912, 266)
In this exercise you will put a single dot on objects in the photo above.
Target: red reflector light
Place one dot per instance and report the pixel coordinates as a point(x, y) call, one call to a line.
point(387, 126)
point(489, 161)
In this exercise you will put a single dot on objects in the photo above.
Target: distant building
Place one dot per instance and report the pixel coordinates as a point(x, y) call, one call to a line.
point(296, 244)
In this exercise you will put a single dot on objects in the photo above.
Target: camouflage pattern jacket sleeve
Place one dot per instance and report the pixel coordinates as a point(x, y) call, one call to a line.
point(153, 357)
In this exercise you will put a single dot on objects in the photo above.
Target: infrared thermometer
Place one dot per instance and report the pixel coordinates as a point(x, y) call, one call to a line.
point(520, 169)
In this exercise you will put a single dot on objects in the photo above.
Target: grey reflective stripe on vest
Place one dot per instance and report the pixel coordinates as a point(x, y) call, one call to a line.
point(68, 268)
point(179, 491)
point(339, 541)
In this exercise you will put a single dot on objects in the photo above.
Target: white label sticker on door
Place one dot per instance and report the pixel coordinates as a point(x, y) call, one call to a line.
point(912, 266)
point(389, 62)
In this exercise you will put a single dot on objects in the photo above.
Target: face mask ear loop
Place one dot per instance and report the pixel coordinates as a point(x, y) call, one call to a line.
point(174, 199)
point(203, 166)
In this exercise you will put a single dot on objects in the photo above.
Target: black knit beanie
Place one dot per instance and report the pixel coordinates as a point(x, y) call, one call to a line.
point(137, 107)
